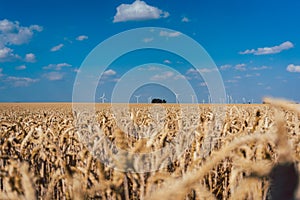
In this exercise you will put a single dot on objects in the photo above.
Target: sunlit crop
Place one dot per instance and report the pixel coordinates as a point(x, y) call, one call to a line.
point(246, 155)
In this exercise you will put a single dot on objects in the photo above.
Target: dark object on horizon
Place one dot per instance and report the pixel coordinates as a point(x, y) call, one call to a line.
point(158, 101)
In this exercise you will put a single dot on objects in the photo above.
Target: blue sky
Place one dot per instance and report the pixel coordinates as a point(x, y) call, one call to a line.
point(255, 45)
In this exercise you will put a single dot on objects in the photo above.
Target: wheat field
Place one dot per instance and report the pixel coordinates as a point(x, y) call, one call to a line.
point(236, 152)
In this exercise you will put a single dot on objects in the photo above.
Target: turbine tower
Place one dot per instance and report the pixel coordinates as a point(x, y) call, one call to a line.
point(244, 100)
point(193, 100)
point(176, 96)
point(102, 98)
point(137, 98)
point(231, 99)
point(149, 99)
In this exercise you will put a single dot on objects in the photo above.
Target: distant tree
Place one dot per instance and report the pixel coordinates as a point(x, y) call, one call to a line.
point(158, 101)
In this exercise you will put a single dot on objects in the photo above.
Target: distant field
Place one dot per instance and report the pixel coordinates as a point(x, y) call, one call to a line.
point(238, 151)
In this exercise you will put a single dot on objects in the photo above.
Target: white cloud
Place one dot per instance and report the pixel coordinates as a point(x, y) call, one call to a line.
point(179, 76)
point(202, 70)
point(149, 68)
point(30, 57)
point(36, 28)
point(162, 76)
point(116, 79)
point(185, 19)
point(169, 34)
point(261, 68)
point(240, 67)
point(293, 68)
point(248, 51)
point(56, 48)
point(138, 11)
point(20, 81)
point(167, 61)
point(11, 33)
point(7, 54)
point(224, 67)
point(82, 37)
point(57, 67)
point(252, 75)
point(192, 71)
point(269, 50)
point(108, 76)
point(7, 26)
point(147, 40)
point(60, 65)
point(206, 70)
point(109, 72)
point(21, 67)
point(77, 70)
point(54, 76)
point(203, 84)
point(232, 81)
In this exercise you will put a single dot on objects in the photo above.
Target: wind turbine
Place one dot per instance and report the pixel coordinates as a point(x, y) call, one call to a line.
point(193, 100)
point(209, 99)
point(103, 98)
point(244, 100)
point(137, 98)
point(149, 99)
point(176, 95)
